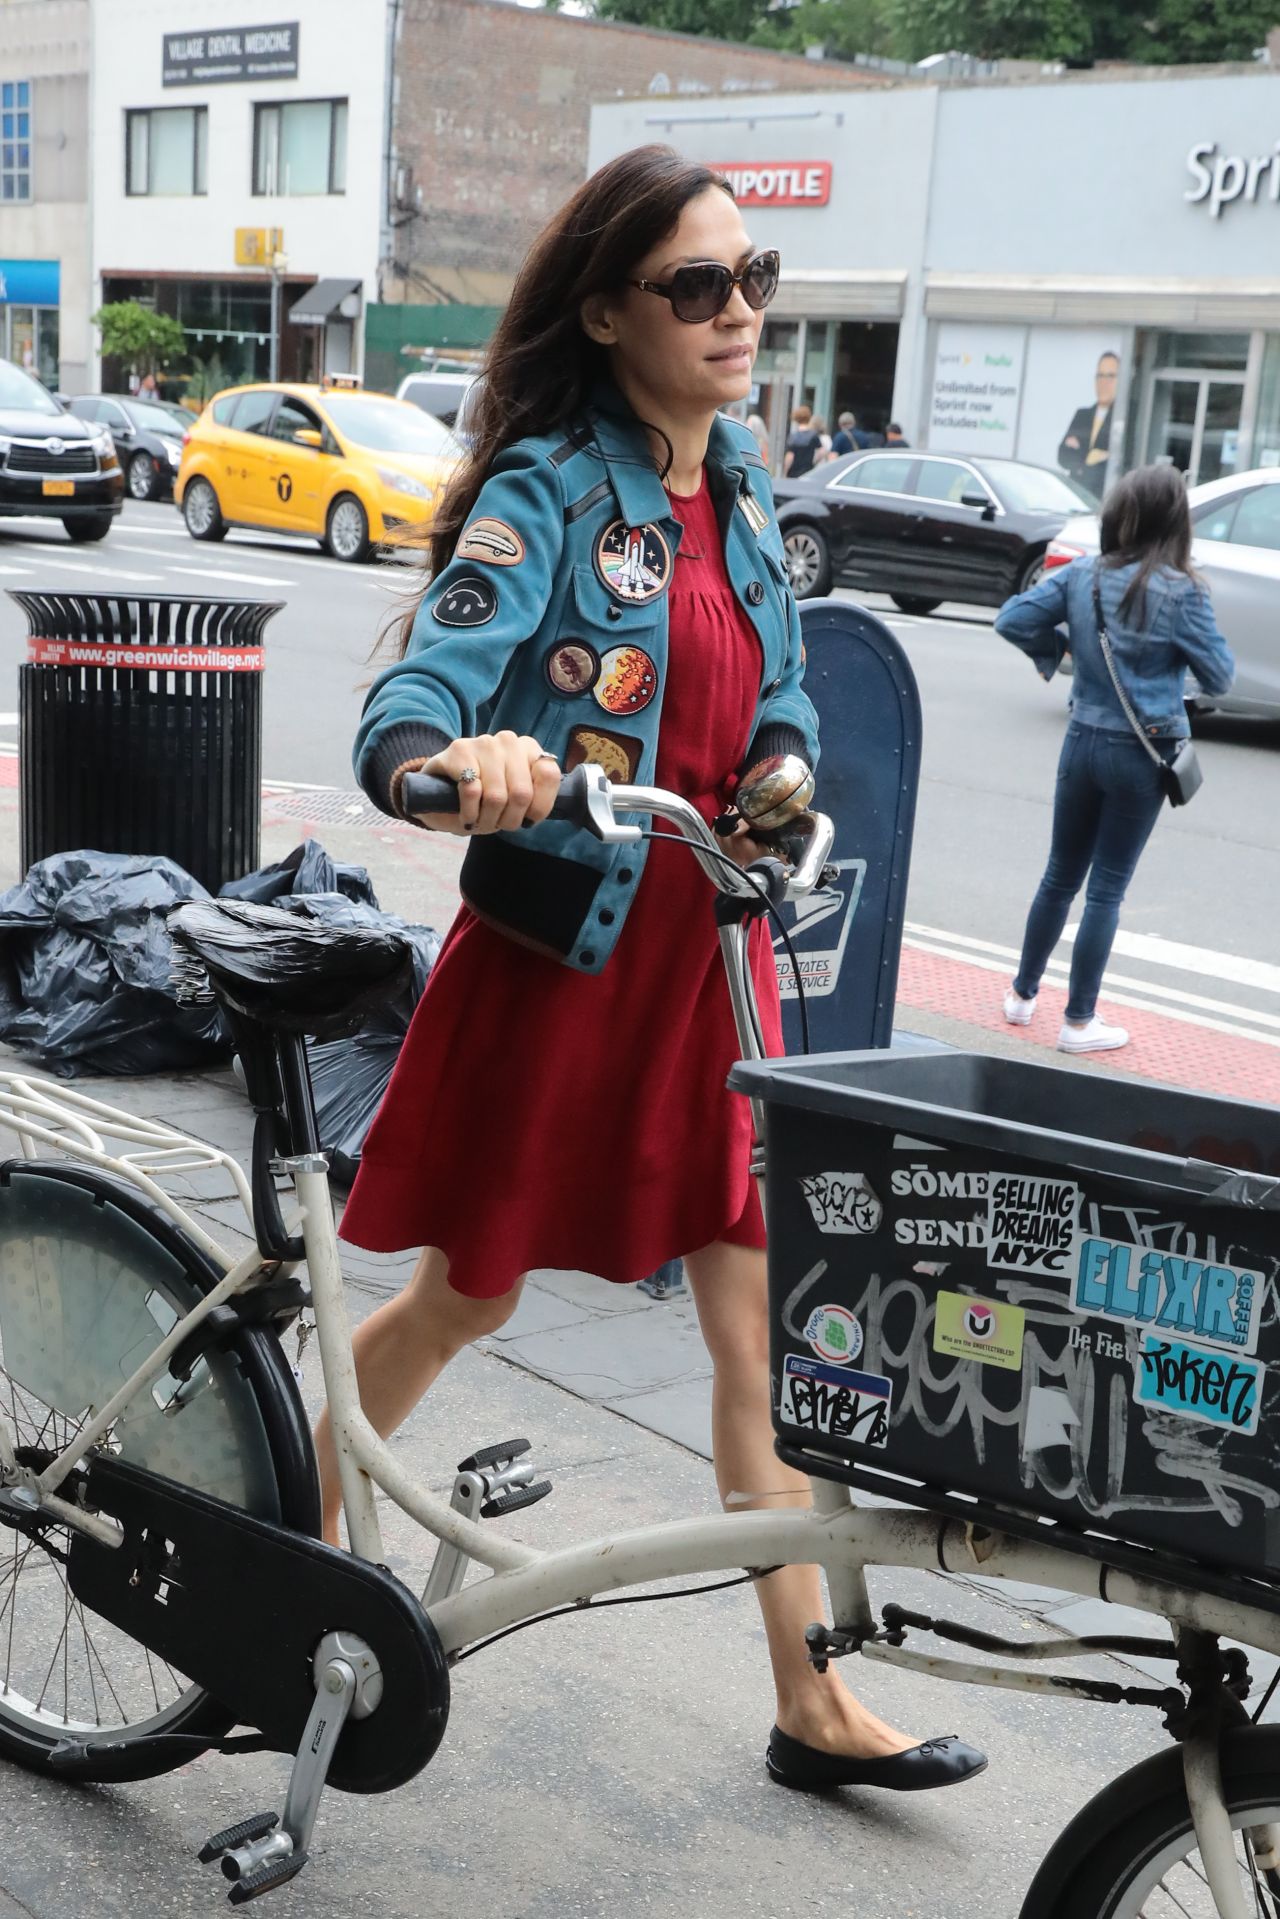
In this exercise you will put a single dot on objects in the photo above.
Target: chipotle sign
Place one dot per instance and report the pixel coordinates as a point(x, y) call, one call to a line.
point(778, 183)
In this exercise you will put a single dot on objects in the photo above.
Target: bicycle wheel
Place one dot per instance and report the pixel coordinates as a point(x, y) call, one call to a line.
point(91, 1278)
point(1131, 1852)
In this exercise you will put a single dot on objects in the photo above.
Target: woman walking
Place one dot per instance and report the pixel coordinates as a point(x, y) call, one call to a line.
point(1141, 604)
point(607, 584)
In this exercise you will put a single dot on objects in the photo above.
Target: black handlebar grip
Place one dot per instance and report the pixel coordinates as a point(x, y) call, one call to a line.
point(431, 793)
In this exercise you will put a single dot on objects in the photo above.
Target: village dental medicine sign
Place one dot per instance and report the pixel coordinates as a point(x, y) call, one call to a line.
point(231, 53)
point(778, 183)
point(1220, 178)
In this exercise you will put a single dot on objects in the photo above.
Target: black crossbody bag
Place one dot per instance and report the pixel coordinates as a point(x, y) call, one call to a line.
point(1181, 777)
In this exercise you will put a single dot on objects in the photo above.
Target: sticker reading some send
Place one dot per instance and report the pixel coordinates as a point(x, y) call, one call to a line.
point(836, 1401)
point(1220, 1388)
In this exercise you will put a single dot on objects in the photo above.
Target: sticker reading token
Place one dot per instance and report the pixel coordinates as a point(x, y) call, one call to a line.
point(618, 756)
point(633, 561)
point(491, 540)
point(573, 667)
point(834, 1334)
point(469, 601)
point(628, 680)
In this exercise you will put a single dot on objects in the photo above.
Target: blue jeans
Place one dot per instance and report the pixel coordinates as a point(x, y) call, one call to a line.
point(1108, 799)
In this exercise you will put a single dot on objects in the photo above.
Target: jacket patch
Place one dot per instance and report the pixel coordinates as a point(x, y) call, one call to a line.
point(633, 561)
point(470, 601)
point(572, 667)
point(628, 680)
point(618, 755)
point(491, 540)
point(753, 513)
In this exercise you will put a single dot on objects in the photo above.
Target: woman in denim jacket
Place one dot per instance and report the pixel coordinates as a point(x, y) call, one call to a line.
point(1160, 624)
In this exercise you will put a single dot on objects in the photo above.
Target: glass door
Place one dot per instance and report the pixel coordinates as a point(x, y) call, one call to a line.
point(1195, 423)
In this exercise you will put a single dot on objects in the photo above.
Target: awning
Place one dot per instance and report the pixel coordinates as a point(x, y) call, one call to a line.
point(837, 293)
point(320, 302)
point(1108, 300)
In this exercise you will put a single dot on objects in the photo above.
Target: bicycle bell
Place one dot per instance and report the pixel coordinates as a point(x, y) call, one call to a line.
point(775, 792)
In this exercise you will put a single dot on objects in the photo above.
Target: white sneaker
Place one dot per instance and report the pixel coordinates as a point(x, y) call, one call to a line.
point(1096, 1037)
point(1017, 1010)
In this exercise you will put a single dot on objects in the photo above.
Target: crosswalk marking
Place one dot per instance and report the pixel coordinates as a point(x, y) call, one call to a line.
point(98, 571)
point(1194, 959)
point(220, 573)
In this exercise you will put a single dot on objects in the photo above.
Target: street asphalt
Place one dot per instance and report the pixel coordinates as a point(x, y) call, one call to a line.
point(614, 1764)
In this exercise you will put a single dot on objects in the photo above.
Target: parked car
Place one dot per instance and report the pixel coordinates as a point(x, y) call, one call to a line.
point(356, 470)
point(147, 438)
point(922, 527)
point(53, 464)
point(1236, 551)
point(442, 392)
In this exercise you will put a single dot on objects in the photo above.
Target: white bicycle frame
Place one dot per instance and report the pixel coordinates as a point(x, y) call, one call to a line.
point(843, 1538)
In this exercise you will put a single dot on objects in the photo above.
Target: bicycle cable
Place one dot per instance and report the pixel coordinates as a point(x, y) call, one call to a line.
point(627, 1599)
point(678, 839)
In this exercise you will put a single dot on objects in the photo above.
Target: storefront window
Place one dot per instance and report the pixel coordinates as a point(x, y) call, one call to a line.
point(1194, 402)
point(1266, 432)
point(1225, 352)
point(22, 338)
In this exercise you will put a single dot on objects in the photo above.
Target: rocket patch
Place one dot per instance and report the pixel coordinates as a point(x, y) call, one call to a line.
point(634, 562)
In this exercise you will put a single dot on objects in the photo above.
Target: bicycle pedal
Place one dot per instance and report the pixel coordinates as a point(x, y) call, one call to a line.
point(491, 1455)
point(257, 1826)
point(513, 1501)
point(276, 1872)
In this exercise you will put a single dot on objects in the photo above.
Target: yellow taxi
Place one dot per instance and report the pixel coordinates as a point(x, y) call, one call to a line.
point(355, 469)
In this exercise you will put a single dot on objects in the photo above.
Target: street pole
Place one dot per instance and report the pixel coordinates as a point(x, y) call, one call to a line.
point(275, 320)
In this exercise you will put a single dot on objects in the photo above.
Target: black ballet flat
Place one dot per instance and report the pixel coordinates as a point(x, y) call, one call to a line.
point(938, 1762)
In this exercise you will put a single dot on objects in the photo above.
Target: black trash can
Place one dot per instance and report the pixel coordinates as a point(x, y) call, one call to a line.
point(141, 728)
point(1040, 1299)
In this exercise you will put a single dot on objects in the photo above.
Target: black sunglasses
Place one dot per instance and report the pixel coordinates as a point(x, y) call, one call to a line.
point(700, 291)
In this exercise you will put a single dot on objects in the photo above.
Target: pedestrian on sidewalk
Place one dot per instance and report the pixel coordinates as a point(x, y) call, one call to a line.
point(1158, 623)
point(803, 444)
point(604, 588)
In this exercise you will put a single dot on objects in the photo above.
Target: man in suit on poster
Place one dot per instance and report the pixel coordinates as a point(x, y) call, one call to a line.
point(1086, 445)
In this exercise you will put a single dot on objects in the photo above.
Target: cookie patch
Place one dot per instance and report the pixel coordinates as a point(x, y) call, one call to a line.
point(491, 540)
point(628, 680)
point(615, 753)
point(572, 667)
point(634, 562)
point(470, 601)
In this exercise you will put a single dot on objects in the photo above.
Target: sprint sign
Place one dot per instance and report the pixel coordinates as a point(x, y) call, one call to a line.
point(779, 183)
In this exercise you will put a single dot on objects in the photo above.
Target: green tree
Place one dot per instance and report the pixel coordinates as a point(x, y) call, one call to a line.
point(143, 339)
point(718, 19)
point(844, 27)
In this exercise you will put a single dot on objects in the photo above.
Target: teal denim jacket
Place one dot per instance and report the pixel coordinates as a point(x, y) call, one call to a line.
point(551, 620)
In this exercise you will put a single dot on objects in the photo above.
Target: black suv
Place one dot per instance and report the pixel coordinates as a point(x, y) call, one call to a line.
point(147, 435)
point(53, 464)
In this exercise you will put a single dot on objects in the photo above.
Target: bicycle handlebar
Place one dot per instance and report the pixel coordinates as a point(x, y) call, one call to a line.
point(587, 798)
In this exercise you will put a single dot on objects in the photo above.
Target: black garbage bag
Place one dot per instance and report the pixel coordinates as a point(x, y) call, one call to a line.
point(306, 869)
point(85, 968)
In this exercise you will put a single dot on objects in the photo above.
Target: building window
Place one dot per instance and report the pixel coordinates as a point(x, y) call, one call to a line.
point(166, 151)
point(15, 140)
point(300, 146)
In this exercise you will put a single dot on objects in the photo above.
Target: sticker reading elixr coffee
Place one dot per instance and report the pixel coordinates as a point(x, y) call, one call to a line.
point(1193, 1298)
point(841, 1403)
point(633, 561)
point(1222, 1389)
point(1031, 1223)
point(469, 601)
point(834, 1334)
point(842, 1202)
point(628, 680)
point(987, 1330)
point(491, 540)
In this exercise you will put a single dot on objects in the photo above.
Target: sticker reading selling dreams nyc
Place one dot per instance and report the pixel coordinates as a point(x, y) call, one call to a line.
point(1031, 1223)
point(836, 1401)
point(1174, 1295)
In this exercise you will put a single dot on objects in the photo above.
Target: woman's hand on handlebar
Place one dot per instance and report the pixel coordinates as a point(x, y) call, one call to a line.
point(517, 784)
point(741, 847)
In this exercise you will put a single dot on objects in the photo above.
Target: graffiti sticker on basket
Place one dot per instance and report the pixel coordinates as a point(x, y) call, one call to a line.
point(819, 928)
point(1031, 1223)
point(1219, 1388)
point(1198, 1298)
point(987, 1330)
point(836, 1401)
point(842, 1202)
point(834, 1334)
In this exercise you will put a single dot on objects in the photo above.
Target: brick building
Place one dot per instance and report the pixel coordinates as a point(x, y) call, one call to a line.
point(491, 122)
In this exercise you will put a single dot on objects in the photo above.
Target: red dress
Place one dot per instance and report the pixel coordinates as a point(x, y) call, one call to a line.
point(542, 1117)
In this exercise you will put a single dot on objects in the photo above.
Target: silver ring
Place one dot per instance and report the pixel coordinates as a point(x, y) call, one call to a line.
point(547, 756)
point(468, 776)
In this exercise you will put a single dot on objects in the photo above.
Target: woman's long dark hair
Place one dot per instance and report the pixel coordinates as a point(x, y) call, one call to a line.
point(541, 366)
point(1146, 523)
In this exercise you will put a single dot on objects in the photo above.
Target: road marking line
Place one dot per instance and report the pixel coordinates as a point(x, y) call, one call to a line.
point(100, 572)
point(8, 719)
point(1124, 998)
point(1193, 959)
point(15, 569)
point(217, 573)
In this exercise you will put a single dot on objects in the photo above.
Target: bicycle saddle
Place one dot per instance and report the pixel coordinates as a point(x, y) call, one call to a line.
point(290, 972)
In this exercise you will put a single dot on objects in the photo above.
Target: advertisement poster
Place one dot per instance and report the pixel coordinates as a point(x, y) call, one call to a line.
point(1071, 379)
point(977, 388)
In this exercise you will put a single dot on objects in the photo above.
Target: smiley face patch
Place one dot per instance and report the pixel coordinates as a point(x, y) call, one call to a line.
point(628, 680)
point(572, 667)
point(634, 562)
point(468, 601)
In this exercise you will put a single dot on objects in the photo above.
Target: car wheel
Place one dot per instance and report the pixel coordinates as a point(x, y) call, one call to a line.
point(1032, 573)
point(202, 513)
point(912, 603)
point(142, 477)
point(808, 562)
point(347, 529)
point(95, 528)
